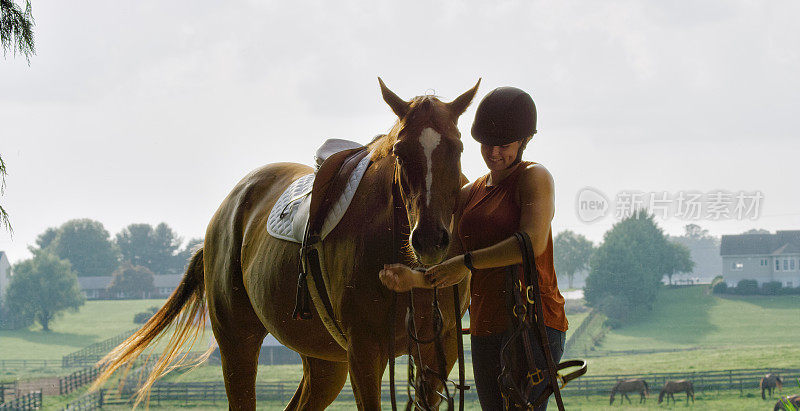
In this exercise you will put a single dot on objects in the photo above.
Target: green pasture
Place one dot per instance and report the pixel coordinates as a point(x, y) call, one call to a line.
point(718, 332)
point(94, 322)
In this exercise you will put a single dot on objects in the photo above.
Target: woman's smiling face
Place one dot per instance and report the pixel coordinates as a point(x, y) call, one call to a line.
point(500, 157)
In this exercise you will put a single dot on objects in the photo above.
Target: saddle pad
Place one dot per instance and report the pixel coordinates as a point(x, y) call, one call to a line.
point(289, 215)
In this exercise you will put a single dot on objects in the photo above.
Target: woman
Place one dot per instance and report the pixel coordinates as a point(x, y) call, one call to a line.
point(514, 196)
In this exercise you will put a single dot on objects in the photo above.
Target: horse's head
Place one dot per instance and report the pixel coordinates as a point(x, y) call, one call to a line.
point(426, 146)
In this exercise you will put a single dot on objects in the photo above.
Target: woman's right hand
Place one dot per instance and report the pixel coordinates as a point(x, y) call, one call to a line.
point(398, 277)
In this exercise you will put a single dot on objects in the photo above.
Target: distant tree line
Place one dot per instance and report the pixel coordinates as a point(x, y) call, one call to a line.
point(87, 245)
point(47, 284)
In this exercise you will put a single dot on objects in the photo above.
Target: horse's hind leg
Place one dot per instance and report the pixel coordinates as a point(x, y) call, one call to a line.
point(322, 381)
point(239, 334)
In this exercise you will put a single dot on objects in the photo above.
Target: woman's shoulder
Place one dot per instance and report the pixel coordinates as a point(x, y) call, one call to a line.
point(533, 171)
point(535, 180)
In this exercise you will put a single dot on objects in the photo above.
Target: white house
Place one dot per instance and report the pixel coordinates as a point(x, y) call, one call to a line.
point(762, 257)
point(5, 274)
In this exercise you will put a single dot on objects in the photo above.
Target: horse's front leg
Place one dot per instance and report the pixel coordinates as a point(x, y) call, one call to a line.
point(367, 357)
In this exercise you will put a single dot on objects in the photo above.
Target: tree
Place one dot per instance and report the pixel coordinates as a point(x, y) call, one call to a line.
point(42, 288)
point(155, 248)
point(132, 281)
point(626, 270)
point(679, 260)
point(756, 231)
point(703, 250)
point(87, 246)
point(16, 29)
point(571, 253)
point(695, 232)
point(183, 257)
point(46, 238)
point(4, 221)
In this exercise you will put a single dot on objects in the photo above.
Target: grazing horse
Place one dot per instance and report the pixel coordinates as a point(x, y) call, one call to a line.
point(768, 383)
point(247, 278)
point(671, 387)
point(794, 400)
point(632, 385)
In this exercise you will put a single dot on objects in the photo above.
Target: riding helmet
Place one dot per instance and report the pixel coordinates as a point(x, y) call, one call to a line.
point(505, 115)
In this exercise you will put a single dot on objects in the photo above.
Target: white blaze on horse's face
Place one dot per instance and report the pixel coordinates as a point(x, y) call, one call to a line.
point(429, 140)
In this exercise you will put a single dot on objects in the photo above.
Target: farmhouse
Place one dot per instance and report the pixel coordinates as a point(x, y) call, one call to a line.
point(762, 257)
point(5, 274)
point(95, 288)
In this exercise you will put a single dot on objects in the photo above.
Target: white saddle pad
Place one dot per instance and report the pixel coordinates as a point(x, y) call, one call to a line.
point(289, 216)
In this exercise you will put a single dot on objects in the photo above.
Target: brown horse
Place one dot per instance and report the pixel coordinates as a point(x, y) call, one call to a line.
point(768, 383)
point(671, 387)
point(632, 385)
point(794, 400)
point(248, 279)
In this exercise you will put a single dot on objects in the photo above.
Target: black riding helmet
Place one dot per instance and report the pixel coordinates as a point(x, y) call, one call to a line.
point(505, 115)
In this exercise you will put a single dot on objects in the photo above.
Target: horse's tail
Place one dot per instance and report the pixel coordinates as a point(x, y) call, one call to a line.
point(187, 304)
point(645, 387)
point(778, 382)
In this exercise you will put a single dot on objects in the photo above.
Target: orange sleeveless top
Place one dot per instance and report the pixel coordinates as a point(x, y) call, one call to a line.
point(491, 214)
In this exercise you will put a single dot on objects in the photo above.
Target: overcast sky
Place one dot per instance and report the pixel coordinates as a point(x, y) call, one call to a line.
point(145, 111)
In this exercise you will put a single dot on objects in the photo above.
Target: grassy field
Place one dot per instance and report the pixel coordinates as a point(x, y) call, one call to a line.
point(716, 333)
point(724, 332)
point(96, 321)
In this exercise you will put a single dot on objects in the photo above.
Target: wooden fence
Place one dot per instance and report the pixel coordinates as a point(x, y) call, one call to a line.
point(29, 401)
point(8, 388)
point(88, 402)
point(93, 353)
point(213, 392)
point(15, 363)
point(77, 379)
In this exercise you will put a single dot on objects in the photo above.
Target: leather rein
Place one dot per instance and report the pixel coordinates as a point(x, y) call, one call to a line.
point(516, 386)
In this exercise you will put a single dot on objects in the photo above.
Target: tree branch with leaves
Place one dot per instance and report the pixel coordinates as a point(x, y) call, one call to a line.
point(16, 29)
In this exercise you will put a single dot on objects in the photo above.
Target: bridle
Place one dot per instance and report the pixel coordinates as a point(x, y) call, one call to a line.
point(418, 376)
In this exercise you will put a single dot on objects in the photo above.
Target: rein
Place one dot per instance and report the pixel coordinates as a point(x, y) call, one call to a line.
point(418, 382)
point(516, 387)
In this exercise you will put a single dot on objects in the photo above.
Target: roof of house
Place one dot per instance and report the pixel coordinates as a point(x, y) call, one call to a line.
point(102, 282)
point(782, 242)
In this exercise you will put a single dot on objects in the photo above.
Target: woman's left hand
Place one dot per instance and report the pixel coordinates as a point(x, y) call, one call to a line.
point(449, 272)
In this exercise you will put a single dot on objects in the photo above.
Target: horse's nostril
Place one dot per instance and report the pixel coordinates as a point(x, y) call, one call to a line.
point(415, 241)
point(444, 240)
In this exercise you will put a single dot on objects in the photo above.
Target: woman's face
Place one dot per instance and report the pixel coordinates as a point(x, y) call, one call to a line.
point(500, 157)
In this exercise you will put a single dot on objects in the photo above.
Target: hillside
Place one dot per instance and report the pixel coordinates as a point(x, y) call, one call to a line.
point(716, 332)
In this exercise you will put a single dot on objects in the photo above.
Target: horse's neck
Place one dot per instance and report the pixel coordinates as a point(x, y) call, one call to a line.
point(377, 200)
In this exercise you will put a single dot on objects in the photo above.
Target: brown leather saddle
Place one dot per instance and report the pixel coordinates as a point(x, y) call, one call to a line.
point(329, 183)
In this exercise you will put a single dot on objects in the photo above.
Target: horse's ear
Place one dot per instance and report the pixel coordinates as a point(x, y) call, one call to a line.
point(460, 104)
point(398, 105)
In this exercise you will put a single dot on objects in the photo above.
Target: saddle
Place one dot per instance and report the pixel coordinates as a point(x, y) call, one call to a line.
point(336, 160)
